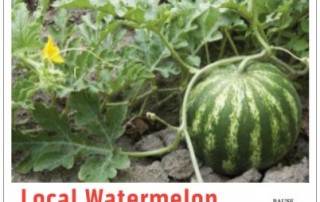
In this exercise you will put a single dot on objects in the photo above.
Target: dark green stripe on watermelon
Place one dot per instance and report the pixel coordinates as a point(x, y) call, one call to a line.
point(239, 121)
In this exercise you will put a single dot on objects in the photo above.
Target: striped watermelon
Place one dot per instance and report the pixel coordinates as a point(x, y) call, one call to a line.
point(242, 120)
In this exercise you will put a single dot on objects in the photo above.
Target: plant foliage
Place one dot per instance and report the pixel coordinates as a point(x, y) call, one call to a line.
point(121, 56)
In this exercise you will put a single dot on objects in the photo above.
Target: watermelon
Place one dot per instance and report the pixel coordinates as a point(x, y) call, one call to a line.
point(242, 120)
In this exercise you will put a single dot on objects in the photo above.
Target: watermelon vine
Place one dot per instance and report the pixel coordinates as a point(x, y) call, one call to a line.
point(231, 108)
point(268, 53)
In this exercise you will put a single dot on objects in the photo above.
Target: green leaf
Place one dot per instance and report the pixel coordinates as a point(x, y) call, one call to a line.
point(23, 89)
point(43, 6)
point(88, 115)
point(168, 69)
point(45, 152)
point(98, 3)
point(51, 120)
point(114, 118)
point(50, 149)
point(209, 24)
point(101, 169)
point(134, 71)
point(123, 76)
point(111, 7)
point(72, 4)
point(88, 29)
point(192, 26)
point(87, 107)
point(56, 146)
point(264, 6)
point(97, 169)
point(119, 160)
point(25, 31)
point(194, 60)
point(53, 157)
point(299, 44)
point(305, 25)
point(149, 48)
point(116, 115)
point(60, 30)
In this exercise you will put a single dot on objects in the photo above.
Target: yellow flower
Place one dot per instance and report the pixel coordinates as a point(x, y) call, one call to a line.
point(51, 52)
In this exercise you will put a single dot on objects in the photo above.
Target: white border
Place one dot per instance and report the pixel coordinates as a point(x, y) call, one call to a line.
point(316, 55)
point(7, 98)
point(300, 192)
point(1, 97)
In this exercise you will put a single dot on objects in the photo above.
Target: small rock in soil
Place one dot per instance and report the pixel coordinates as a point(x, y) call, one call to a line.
point(142, 161)
point(56, 177)
point(125, 143)
point(70, 175)
point(167, 135)
point(76, 15)
point(31, 177)
point(251, 175)
point(305, 124)
point(209, 176)
point(299, 150)
point(149, 142)
point(17, 73)
point(137, 173)
point(157, 171)
point(178, 164)
point(295, 173)
point(42, 97)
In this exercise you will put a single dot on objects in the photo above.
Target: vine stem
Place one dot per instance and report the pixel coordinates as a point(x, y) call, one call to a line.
point(117, 103)
point(88, 51)
point(192, 155)
point(154, 117)
point(165, 99)
point(143, 106)
point(222, 48)
point(169, 89)
point(242, 66)
point(260, 38)
point(256, 26)
point(175, 55)
point(29, 61)
point(233, 46)
point(160, 151)
point(207, 53)
point(146, 94)
point(288, 68)
point(302, 60)
point(252, 16)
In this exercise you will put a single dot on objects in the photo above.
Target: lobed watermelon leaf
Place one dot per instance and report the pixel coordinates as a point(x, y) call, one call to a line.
point(57, 146)
point(88, 115)
point(60, 29)
point(47, 152)
point(25, 35)
point(101, 169)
